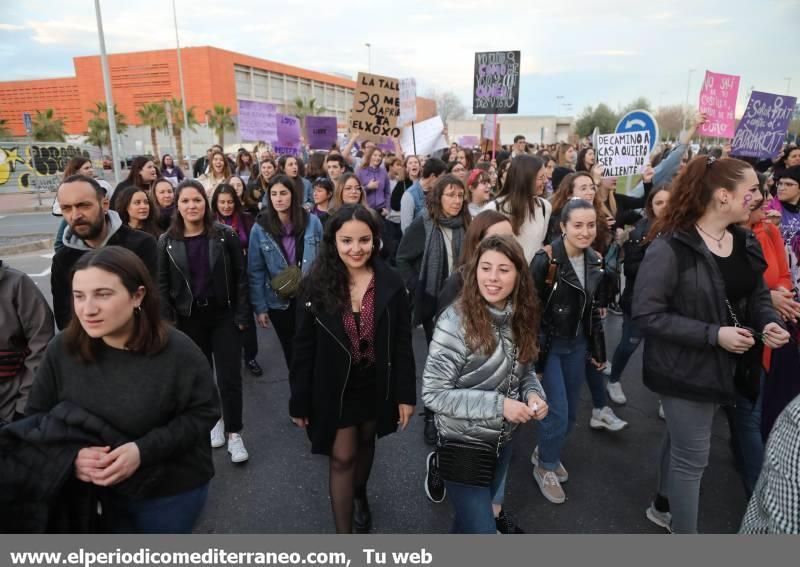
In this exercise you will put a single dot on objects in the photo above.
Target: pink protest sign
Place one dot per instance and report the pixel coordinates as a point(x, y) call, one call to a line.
point(718, 101)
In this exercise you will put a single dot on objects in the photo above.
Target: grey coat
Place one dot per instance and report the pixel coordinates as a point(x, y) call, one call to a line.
point(466, 389)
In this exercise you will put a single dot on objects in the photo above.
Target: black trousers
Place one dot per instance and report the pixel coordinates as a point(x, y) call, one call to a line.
point(213, 329)
point(250, 341)
point(284, 321)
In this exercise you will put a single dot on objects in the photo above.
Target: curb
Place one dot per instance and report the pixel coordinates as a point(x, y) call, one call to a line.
point(13, 249)
point(32, 209)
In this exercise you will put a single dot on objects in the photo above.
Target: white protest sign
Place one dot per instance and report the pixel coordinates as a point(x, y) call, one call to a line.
point(408, 102)
point(623, 154)
point(429, 136)
point(488, 127)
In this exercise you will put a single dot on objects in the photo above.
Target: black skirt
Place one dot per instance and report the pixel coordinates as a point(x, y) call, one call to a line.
point(358, 403)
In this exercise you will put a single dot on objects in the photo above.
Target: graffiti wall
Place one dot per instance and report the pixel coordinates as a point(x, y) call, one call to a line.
point(39, 166)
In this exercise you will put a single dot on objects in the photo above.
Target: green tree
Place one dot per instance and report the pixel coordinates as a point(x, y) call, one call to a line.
point(220, 119)
point(303, 107)
point(153, 115)
point(48, 128)
point(640, 103)
point(176, 117)
point(5, 131)
point(601, 117)
point(99, 130)
point(670, 121)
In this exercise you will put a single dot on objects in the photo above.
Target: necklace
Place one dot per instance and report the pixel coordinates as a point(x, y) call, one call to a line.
point(714, 238)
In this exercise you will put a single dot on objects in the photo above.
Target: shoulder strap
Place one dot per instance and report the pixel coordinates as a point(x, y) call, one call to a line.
point(552, 268)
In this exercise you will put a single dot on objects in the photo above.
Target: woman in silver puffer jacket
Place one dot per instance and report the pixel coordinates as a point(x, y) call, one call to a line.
point(480, 365)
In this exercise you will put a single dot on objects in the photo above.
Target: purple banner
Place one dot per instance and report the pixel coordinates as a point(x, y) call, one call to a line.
point(287, 149)
point(763, 127)
point(321, 132)
point(288, 130)
point(468, 141)
point(257, 121)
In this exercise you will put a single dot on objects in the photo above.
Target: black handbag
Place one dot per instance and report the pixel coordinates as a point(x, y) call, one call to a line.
point(747, 375)
point(469, 462)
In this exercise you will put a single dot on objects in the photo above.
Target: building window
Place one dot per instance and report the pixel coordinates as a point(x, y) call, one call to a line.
point(305, 89)
point(340, 97)
point(243, 82)
point(261, 84)
point(291, 88)
point(330, 97)
point(275, 86)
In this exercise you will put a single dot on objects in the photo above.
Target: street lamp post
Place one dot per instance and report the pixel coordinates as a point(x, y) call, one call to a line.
point(686, 105)
point(186, 140)
point(369, 56)
point(112, 119)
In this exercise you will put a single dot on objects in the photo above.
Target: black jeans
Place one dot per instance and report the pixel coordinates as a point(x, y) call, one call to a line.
point(213, 329)
point(284, 322)
point(250, 341)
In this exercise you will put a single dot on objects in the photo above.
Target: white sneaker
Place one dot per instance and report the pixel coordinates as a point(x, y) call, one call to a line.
point(661, 519)
point(615, 393)
point(606, 419)
point(218, 435)
point(661, 411)
point(236, 448)
point(607, 370)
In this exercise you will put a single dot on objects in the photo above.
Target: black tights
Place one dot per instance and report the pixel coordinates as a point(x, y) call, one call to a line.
point(350, 464)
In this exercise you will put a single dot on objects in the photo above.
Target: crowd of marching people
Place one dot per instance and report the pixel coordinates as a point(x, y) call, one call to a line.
point(510, 263)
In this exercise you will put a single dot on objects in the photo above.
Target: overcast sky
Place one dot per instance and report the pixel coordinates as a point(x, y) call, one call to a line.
point(587, 52)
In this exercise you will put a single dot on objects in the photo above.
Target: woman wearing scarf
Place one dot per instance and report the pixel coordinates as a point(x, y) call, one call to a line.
point(428, 250)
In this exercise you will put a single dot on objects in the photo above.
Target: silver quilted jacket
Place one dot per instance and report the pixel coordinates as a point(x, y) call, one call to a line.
point(466, 389)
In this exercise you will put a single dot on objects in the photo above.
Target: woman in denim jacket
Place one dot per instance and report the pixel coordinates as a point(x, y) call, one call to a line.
point(284, 235)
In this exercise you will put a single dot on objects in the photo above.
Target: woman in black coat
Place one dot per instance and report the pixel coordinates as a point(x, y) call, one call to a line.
point(352, 375)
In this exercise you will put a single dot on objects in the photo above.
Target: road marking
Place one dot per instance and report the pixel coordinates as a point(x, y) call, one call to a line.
point(48, 256)
point(42, 274)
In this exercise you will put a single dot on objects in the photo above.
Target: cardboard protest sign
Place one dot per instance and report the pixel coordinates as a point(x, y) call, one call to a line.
point(321, 131)
point(288, 130)
point(376, 107)
point(408, 102)
point(258, 121)
point(496, 84)
point(429, 136)
point(763, 127)
point(718, 101)
point(623, 154)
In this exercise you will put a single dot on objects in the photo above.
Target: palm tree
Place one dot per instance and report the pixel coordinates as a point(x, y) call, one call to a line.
point(303, 108)
point(220, 120)
point(154, 115)
point(99, 133)
point(5, 131)
point(48, 128)
point(176, 111)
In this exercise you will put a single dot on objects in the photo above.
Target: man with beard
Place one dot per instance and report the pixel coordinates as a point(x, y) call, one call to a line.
point(90, 225)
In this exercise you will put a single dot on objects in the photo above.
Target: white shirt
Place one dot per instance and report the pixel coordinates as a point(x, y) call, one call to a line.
point(533, 231)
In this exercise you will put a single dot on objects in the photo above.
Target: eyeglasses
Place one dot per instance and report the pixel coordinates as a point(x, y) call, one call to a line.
point(453, 195)
point(353, 189)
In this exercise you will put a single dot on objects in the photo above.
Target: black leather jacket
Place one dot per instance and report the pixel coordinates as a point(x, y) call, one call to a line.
point(633, 250)
point(228, 275)
point(567, 308)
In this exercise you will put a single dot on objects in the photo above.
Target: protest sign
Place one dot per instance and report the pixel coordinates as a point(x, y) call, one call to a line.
point(488, 126)
point(288, 130)
point(763, 127)
point(468, 141)
point(623, 154)
point(408, 102)
point(718, 101)
point(321, 131)
point(258, 121)
point(496, 84)
point(429, 137)
point(287, 149)
point(376, 107)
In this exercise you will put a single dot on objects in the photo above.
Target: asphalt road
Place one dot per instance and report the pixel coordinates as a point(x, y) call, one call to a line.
point(284, 489)
point(28, 223)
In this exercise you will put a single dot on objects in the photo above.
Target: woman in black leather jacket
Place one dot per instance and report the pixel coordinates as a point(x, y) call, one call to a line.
point(567, 283)
point(204, 290)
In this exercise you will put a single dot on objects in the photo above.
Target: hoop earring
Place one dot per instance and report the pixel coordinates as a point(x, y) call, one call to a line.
point(137, 310)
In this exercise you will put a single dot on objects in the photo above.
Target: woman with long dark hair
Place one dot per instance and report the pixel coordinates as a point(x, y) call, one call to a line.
point(283, 245)
point(266, 169)
point(352, 376)
point(480, 380)
point(142, 174)
point(520, 200)
point(292, 167)
point(163, 194)
point(218, 171)
point(119, 364)
point(170, 170)
point(203, 285)
point(137, 210)
point(702, 304)
point(228, 210)
point(244, 166)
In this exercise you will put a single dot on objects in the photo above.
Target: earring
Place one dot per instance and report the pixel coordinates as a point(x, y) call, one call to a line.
point(137, 310)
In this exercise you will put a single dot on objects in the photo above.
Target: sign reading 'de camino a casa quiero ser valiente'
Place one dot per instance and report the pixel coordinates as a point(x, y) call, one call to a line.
point(623, 154)
point(496, 85)
point(376, 106)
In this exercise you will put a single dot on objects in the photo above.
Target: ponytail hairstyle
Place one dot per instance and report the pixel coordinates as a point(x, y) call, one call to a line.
point(693, 189)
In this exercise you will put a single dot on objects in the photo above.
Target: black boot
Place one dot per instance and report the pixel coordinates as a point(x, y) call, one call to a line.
point(362, 517)
point(430, 433)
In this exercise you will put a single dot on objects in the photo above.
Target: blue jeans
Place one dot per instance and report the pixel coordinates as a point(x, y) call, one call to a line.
point(631, 338)
point(746, 440)
point(564, 375)
point(472, 505)
point(175, 514)
point(597, 386)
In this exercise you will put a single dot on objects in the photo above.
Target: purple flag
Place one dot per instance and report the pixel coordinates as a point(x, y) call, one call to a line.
point(288, 130)
point(257, 121)
point(763, 128)
point(321, 132)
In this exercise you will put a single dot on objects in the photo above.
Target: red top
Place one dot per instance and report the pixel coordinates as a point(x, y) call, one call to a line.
point(777, 273)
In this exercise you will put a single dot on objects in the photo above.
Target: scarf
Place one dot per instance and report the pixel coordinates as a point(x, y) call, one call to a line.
point(362, 337)
point(235, 222)
point(433, 272)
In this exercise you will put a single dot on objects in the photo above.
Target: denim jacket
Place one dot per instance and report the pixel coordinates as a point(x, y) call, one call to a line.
point(266, 260)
